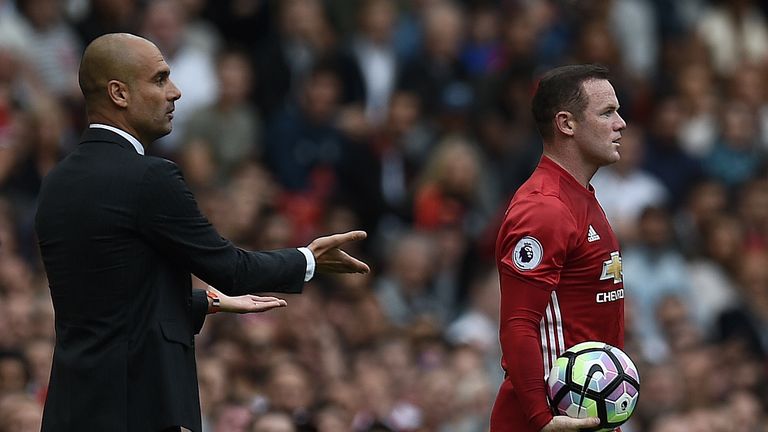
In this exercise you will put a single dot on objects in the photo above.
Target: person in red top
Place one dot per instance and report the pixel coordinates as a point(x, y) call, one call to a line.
point(557, 256)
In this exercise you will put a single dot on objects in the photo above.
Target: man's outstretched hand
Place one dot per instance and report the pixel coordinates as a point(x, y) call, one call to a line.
point(330, 258)
point(246, 303)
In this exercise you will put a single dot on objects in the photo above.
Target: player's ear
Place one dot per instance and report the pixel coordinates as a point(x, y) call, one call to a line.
point(565, 123)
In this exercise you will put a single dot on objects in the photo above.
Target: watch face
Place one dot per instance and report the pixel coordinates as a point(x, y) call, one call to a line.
point(215, 300)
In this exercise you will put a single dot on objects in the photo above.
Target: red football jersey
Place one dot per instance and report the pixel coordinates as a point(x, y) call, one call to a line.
point(561, 284)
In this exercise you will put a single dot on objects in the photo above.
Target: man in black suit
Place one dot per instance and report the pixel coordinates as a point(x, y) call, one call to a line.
point(120, 233)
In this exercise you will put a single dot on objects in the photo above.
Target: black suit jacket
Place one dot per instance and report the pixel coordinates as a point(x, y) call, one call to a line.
point(120, 234)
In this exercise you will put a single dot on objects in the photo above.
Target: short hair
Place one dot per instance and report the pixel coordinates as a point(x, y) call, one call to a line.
point(561, 89)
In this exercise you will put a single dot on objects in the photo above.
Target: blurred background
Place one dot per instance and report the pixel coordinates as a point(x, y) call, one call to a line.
point(410, 119)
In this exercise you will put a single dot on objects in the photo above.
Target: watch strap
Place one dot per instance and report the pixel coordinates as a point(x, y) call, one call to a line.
point(215, 301)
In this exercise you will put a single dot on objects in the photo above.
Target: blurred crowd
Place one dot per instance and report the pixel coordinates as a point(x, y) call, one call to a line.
point(410, 119)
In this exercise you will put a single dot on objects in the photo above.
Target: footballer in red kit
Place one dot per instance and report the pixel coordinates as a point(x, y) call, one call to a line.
point(558, 259)
point(555, 245)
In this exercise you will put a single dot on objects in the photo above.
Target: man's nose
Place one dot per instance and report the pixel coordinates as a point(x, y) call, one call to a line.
point(622, 124)
point(175, 93)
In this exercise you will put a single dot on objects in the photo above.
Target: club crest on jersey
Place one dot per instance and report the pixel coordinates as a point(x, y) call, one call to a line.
point(612, 268)
point(527, 254)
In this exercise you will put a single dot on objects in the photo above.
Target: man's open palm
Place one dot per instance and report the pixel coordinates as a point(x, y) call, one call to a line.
point(248, 303)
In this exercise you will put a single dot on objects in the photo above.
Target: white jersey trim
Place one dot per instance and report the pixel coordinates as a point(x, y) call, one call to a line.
point(544, 348)
point(558, 324)
point(551, 331)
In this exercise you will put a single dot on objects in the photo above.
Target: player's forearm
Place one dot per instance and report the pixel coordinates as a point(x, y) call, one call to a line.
point(521, 348)
point(522, 308)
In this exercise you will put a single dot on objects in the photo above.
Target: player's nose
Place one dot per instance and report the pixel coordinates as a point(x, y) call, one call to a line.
point(620, 124)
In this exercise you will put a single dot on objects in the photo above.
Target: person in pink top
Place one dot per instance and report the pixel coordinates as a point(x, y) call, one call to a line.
point(557, 256)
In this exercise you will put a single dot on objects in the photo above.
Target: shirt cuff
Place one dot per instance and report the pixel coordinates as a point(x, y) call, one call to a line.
point(310, 263)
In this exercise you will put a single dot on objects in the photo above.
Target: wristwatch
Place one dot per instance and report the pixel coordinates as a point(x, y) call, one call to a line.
point(215, 301)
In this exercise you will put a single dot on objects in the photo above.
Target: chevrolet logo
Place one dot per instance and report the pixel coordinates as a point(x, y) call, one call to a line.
point(612, 269)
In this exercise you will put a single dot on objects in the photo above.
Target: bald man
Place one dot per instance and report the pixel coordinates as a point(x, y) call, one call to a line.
point(120, 234)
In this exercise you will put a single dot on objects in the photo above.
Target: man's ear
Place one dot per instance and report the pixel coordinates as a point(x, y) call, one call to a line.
point(118, 93)
point(565, 123)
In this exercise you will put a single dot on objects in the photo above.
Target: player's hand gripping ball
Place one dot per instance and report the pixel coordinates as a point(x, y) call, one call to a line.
point(594, 379)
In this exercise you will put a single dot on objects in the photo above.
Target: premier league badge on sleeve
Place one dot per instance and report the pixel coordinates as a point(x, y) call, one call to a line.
point(527, 254)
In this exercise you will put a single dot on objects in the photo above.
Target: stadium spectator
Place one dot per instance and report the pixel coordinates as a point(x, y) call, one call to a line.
point(745, 322)
point(354, 314)
point(634, 25)
point(624, 189)
point(12, 32)
point(373, 50)
point(477, 325)
point(665, 393)
point(736, 156)
point(107, 16)
point(665, 157)
point(506, 136)
point(734, 31)
point(290, 389)
point(200, 32)
point(303, 37)
point(711, 275)
point(698, 101)
point(451, 193)
point(14, 372)
point(227, 133)
point(752, 209)
point(247, 27)
point(39, 354)
point(233, 417)
point(437, 74)
point(708, 199)
point(653, 269)
point(482, 47)
point(53, 47)
point(385, 167)
point(273, 422)
point(406, 288)
point(746, 84)
point(303, 142)
point(19, 413)
point(332, 418)
point(524, 35)
point(214, 383)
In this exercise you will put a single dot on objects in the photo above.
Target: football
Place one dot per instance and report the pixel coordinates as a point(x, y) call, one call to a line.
point(594, 379)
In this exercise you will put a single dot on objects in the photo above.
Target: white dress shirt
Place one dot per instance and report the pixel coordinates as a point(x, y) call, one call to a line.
point(130, 138)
